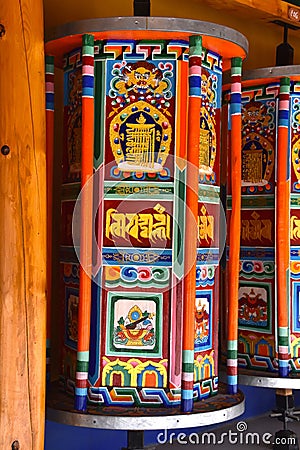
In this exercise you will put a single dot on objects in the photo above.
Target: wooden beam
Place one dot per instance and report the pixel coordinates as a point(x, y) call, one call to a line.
point(256, 9)
point(274, 8)
point(22, 225)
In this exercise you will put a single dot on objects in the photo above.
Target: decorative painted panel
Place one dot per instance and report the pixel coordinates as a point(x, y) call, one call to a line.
point(139, 184)
point(261, 336)
point(72, 118)
point(255, 311)
point(140, 110)
point(203, 320)
point(134, 324)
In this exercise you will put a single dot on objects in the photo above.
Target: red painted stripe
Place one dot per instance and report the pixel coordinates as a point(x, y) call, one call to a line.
point(88, 61)
point(284, 97)
point(49, 77)
point(232, 370)
point(194, 61)
point(283, 356)
point(187, 385)
point(81, 383)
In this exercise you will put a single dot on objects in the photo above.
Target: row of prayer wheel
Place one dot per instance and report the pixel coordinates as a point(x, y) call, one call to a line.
point(179, 210)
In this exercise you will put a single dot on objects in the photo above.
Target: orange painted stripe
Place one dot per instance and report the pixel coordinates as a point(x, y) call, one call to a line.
point(87, 157)
point(235, 227)
point(191, 233)
point(85, 288)
point(181, 123)
point(282, 226)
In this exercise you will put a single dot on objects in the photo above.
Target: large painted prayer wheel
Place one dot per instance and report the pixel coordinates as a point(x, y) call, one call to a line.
point(141, 198)
point(268, 304)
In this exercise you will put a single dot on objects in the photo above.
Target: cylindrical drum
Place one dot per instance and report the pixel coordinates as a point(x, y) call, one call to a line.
point(140, 208)
point(268, 303)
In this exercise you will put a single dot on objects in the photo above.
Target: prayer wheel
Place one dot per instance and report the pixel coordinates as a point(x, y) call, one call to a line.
point(268, 303)
point(140, 211)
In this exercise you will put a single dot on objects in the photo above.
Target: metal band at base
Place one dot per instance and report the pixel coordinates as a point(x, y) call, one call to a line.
point(269, 382)
point(263, 380)
point(146, 422)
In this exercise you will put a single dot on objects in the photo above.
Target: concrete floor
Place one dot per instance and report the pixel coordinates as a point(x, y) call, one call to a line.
point(254, 434)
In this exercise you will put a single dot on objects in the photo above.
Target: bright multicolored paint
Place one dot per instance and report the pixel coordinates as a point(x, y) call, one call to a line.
point(140, 165)
point(268, 332)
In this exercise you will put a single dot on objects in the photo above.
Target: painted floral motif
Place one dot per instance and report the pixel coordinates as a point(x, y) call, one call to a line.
point(203, 320)
point(141, 81)
point(253, 307)
point(208, 141)
point(128, 276)
point(140, 110)
point(257, 143)
point(136, 329)
point(140, 138)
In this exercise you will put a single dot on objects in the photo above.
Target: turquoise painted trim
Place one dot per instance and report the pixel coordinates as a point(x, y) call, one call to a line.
point(82, 392)
point(209, 194)
point(232, 379)
point(254, 201)
point(179, 224)
point(187, 395)
point(88, 44)
point(126, 256)
point(132, 190)
point(49, 69)
point(283, 363)
point(187, 356)
point(195, 42)
point(295, 201)
point(283, 331)
point(232, 345)
point(83, 356)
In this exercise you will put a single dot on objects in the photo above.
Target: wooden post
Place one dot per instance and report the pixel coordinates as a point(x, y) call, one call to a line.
point(22, 225)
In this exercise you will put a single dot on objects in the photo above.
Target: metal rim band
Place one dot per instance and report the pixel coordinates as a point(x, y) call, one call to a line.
point(263, 379)
point(272, 72)
point(269, 382)
point(149, 24)
point(146, 422)
point(219, 34)
point(265, 75)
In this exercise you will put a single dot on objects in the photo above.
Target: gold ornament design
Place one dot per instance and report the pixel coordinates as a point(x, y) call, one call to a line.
point(140, 138)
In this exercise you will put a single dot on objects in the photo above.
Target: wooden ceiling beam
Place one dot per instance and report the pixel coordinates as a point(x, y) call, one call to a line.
point(261, 10)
